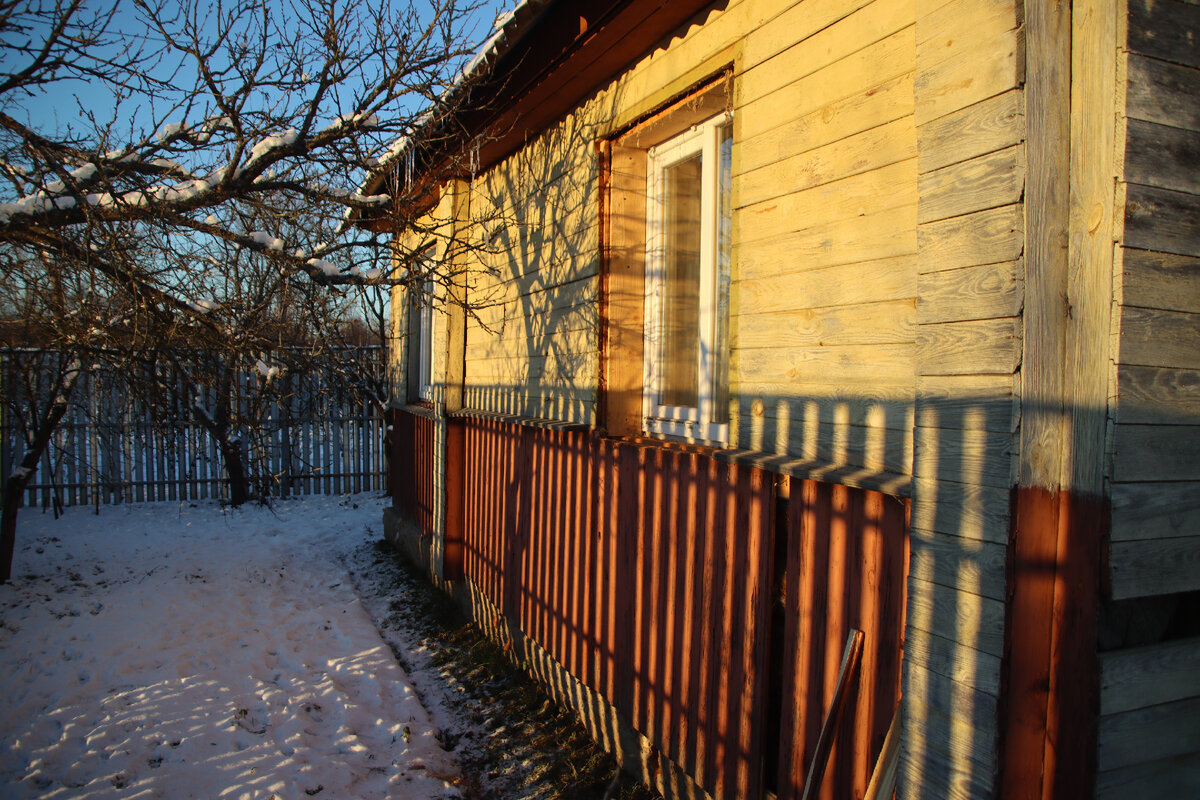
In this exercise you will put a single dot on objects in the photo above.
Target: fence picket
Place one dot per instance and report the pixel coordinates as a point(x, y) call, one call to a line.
point(110, 448)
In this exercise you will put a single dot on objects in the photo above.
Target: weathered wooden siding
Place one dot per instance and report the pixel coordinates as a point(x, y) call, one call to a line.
point(647, 573)
point(1149, 737)
point(970, 128)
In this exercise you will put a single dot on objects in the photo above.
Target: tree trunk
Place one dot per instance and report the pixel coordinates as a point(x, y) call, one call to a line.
point(235, 468)
point(13, 487)
point(19, 479)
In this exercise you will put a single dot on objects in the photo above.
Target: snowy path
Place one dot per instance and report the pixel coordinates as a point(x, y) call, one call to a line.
point(175, 652)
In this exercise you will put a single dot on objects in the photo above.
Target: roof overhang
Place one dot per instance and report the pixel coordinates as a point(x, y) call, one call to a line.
point(548, 57)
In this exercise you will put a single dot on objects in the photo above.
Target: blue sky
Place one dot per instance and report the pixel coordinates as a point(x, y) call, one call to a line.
point(60, 104)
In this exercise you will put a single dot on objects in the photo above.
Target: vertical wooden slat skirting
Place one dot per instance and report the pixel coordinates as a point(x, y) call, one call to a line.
point(646, 572)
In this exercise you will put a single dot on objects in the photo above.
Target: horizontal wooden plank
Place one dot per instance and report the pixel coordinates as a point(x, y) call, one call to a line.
point(977, 622)
point(992, 124)
point(868, 323)
point(1156, 453)
point(972, 457)
point(1162, 92)
point(782, 25)
point(968, 72)
point(809, 404)
point(967, 715)
point(1162, 156)
point(867, 25)
point(874, 106)
point(971, 511)
point(1157, 395)
point(851, 76)
point(991, 180)
point(859, 195)
point(972, 566)
point(840, 285)
point(872, 149)
point(1151, 337)
point(1155, 510)
point(849, 363)
point(939, 24)
point(1149, 734)
point(1165, 29)
point(985, 237)
point(948, 777)
point(962, 665)
point(1166, 777)
point(967, 402)
point(1162, 220)
point(974, 347)
point(1154, 566)
point(829, 442)
point(981, 292)
point(885, 235)
point(1139, 677)
point(1160, 280)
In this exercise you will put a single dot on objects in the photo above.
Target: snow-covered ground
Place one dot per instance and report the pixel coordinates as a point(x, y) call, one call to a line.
point(177, 651)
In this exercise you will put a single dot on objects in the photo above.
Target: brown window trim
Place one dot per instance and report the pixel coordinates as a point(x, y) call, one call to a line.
point(623, 163)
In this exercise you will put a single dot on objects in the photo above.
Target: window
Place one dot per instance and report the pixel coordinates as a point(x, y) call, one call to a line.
point(422, 332)
point(688, 238)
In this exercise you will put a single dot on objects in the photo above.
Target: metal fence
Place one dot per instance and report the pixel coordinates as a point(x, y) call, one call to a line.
point(115, 445)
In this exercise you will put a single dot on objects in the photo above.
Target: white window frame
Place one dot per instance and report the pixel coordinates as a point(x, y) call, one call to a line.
point(693, 424)
point(426, 336)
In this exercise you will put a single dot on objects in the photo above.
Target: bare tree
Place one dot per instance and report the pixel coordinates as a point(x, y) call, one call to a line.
point(203, 187)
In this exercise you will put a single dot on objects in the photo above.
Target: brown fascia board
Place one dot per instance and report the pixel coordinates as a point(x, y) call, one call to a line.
point(570, 50)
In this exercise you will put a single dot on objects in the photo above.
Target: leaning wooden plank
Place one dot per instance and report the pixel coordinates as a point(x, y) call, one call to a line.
point(883, 777)
point(1165, 29)
point(1154, 566)
point(1156, 453)
point(1147, 676)
point(1162, 92)
point(1162, 156)
point(1149, 734)
point(1155, 338)
point(1162, 220)
point(1167, 777)
point(1160, 280)
point(1157, 395)
point(1155, 510)
point(847, 674)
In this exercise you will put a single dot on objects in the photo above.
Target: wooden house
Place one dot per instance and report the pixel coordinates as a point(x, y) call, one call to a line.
point(766, 322)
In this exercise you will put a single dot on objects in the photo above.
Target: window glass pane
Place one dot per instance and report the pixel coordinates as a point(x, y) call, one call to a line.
point(681, 283)
point(720, 412)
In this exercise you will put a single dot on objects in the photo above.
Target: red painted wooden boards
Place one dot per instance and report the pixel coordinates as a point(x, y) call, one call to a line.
point(411, 475)
point(646, 572)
